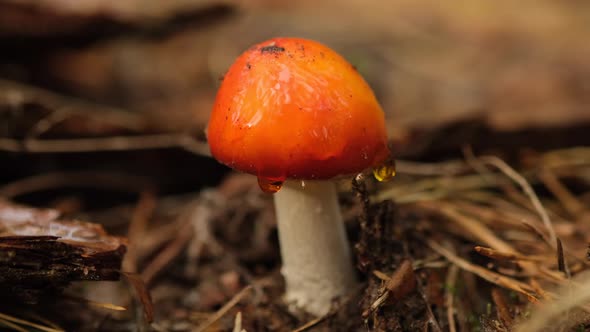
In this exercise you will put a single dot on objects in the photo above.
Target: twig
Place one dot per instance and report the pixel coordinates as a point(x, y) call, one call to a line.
point(137, 227)
point(224, 309)
point(526, 187)
point(93, 179)
point(16, 94)
point(113, 143)
point(145, 311)
point(168, 254)
point(401, 282)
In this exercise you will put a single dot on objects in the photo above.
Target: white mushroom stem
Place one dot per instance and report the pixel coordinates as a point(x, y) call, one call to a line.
point(317, 265)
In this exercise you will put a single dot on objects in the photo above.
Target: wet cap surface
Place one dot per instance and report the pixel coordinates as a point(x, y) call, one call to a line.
point(293, 108)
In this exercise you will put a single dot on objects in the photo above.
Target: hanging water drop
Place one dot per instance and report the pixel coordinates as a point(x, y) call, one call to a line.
point(385, 171)
point(269, 185)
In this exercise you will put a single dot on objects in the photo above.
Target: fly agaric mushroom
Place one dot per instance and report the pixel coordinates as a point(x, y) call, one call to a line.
point(296, 114)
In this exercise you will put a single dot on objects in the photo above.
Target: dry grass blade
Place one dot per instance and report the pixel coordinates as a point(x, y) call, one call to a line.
point(528, 190)
point(452, 167)
point(569, 298)
point(223, 310)
point(438, 187)
point(570, 202)
point(486, 274)
point(23, 322)
point(575, 156)
point(471, 226)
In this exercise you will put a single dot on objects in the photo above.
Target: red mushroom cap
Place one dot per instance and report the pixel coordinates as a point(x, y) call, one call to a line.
point(294, 108)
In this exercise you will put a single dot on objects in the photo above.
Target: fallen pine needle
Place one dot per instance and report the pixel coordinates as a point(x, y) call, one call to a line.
point(484, 273)
point(500, 255)
point(12, 319)
point(223, 310)
point(478, 230)
point(568, 299)
point(310, 324)
point(108, 306)
point(528, 190)
point(13, 326)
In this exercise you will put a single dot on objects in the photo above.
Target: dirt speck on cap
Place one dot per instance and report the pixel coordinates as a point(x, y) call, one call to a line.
point(272, 49)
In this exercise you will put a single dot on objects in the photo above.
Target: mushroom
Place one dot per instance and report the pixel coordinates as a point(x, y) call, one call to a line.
point(296, 114)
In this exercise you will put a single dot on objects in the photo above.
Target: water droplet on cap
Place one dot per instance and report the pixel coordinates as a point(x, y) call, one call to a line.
point(269, 185)
point(385, 171)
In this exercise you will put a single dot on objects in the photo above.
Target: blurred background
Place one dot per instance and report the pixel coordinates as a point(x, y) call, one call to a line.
point(493, 75)
point(148, 66)
point(517, 64)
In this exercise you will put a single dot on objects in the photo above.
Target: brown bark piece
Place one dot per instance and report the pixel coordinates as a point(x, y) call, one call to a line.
point(40, 253)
